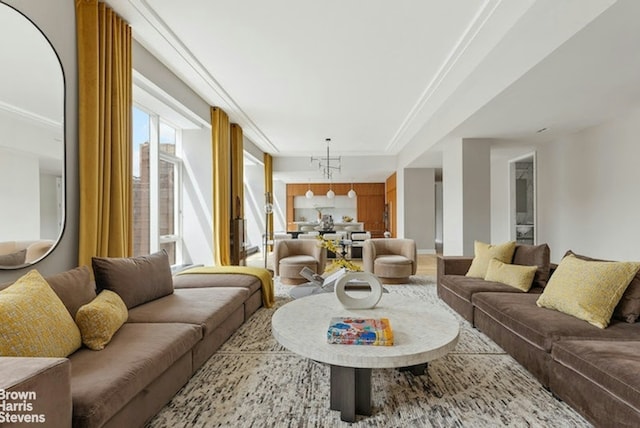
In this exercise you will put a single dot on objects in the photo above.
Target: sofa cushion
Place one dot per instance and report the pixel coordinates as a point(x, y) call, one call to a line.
point(136, 279)
point(588, 290)
point(300, 259)
point(628, 308)
point(392, 266)
point(516, 276)
point(483, 253)
point(519, 314)
point(205, 307)
point(612, 365)
point(99, 319)
point(392, 260)
point(74, 287)
point(206, 280)
point(103, 382)
point(13, 259)
point(534, 255)
point(34, 322)
point(465, 286)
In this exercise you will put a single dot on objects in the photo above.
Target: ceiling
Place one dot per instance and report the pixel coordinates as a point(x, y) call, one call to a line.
point(391, 84)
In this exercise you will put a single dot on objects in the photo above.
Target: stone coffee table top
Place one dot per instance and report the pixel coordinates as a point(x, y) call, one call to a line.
point(422, 332)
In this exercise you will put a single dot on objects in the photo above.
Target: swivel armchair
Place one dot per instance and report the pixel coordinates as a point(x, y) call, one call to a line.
point(292, 255)
point(391, 260)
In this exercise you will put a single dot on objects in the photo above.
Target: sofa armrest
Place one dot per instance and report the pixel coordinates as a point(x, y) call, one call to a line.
point(40, 388)
point(453, 265)
point(368, 255)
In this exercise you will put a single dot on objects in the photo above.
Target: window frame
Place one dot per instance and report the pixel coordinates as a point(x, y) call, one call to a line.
point(156, 156)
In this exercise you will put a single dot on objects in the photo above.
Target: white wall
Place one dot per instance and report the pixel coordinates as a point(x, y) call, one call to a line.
point(466, 195)
point(279, 205)
point(439, 216)
point(25, 143)
point(197, 197)
point(49, 227)
point(477, 192)
point(419, 207)
point(452, 197)
point(401, 191)
point(20, 193)
point(254, 203)
point(588, 191)
point(587, 187)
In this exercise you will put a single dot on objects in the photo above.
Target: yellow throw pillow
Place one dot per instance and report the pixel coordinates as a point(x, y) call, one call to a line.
point(100, 319)
point(483, 253)
point(587, 290)
point(34, 322)
point(520, 277)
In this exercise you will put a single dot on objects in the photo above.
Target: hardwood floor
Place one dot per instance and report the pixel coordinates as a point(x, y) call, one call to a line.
point(427, 264)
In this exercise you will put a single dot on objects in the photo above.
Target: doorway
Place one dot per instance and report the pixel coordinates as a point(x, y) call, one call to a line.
point(522, 185)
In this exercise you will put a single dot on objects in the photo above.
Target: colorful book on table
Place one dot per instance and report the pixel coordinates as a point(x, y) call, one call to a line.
point(360, 331)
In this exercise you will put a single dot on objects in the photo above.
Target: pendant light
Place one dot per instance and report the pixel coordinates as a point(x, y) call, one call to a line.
point(352, 193)
point(309, 193)
point(331, 194)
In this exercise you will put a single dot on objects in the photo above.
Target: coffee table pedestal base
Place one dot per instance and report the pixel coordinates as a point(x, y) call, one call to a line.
point(351, 389)
point(417, 370)
point(350, 392)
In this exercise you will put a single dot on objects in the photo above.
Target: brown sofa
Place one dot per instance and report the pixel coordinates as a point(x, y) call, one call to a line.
point(596, 371)
point(164, 341)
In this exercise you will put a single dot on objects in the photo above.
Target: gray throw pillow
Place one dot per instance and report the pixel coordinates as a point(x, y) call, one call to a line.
point(74, 287)
point(136, 280)
point(534, 255)
point(13, 259)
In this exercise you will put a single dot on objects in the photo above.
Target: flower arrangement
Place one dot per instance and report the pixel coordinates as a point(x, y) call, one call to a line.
point(339, 261)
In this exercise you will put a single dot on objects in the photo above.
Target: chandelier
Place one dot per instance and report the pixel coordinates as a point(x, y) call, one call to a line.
point(325, 163)
point(328, 165)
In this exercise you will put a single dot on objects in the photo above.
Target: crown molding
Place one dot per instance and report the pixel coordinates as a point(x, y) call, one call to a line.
point(417, 111)
point(29, 115)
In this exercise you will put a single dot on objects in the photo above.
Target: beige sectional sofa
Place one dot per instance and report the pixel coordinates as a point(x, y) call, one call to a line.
point(171, 331)
point(595, 370)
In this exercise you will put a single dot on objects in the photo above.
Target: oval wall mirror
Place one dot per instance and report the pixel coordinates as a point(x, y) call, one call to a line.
point(31, 142)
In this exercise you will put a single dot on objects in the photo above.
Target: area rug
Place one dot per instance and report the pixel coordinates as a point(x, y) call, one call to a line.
point(254, 382)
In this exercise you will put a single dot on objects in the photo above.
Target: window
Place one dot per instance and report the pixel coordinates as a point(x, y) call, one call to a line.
point(156, 186)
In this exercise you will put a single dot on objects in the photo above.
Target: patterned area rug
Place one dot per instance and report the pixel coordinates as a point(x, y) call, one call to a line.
point(254, 382)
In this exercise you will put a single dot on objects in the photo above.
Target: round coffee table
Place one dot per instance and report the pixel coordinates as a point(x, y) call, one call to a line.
point(422, 332)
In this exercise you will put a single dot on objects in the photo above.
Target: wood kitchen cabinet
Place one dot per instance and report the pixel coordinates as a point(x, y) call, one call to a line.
point(370, 201)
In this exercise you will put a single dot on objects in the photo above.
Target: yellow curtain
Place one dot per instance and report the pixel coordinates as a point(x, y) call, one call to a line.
point(268, 189)
point(221, 186)
point(104, 132)
point(237, 172)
